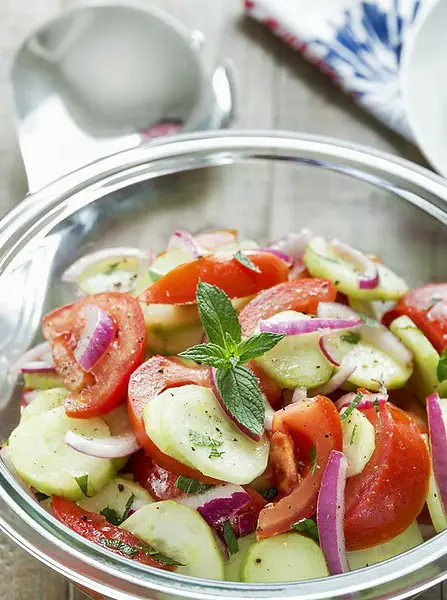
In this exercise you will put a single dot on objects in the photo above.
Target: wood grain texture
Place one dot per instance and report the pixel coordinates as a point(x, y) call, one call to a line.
point(276, 89)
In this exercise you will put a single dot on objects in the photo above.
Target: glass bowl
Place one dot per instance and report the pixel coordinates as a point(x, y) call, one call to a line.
point(264, 184)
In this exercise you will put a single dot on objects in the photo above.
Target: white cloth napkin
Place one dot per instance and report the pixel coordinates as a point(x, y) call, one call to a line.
point(358, 44)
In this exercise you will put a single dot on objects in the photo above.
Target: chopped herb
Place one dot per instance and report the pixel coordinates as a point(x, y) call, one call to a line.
point(214, 453)
point(369, 322)
point(82, 482)
point(376, 405)
point(313, 459)
point(128, 507)
point(346, 413)
point(191, 486)
point(353, 434)
point(307, 526)
point(433, 301)
point(131, 551)
point(230, 538)
point(351, 338)
point(111, 515)
point(269, 493)
point(246, 262)
point(154, 275)
point(199, 439)
point(442, 367)
point(40, 496)
point(111, 268)
point(158, 556)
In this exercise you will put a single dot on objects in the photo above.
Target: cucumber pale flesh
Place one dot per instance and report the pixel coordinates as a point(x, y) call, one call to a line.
point(358, 441)
point(116, 495)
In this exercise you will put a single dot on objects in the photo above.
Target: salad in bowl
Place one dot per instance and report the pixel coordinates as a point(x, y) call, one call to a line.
point(235, 412)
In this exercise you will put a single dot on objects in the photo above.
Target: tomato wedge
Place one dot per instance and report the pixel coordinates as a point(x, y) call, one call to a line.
point(150, 379)
point(223, 270)
point(315, 427)
point(158, 481)
point(97, 529)
point(302, 295)
point(390, 492)
point(427, 308)
point(105, 386)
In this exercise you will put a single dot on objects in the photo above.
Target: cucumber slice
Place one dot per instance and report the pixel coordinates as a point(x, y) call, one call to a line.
point(296, 361)
point(434, 501)
point(425, 379)
point(373, 309)
point(233, 566)
point(322, 261)
point(45, 462)
point(235, 246)
point(45, 400)
point(285, 557)
point(407, 540)
point(116, 495)
point(42, 381)
point(161, 265)
point(180, 533)
point(358, 441)
point(194, 427)
point(171, 329)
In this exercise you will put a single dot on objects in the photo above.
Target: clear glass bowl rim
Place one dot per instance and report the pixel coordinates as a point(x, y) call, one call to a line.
point(81, 561)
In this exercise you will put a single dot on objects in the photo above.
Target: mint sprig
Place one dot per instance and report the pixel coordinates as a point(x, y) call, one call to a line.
point(227, 352)
point(246, 262)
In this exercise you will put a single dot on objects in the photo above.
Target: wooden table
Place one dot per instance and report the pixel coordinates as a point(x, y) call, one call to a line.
point(276, 89)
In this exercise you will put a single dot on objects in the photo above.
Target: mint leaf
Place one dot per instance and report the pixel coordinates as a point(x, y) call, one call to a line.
point(246, 262)
point(269, 493)
point(191, 486)
point(353, 434)
point(208, 354)
point(40, 496)
point(199, 439)
point(307, 526)
point(230, 538)
point(82, 482)
point(128, 507)
point(313, 459)
point(351, 338)
point(130, 551)
point(442, 367)
point(214, 453)
point(111, 515)
point(242, 397)
point(257, 345)
point(433, 302)
point(217, 314)
point(158, 556)
point(346, 413)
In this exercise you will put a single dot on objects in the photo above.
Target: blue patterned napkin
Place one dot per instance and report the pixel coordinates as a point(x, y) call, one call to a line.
point(357, 43)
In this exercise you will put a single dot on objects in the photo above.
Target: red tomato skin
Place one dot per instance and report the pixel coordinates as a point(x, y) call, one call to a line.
point(150, 379)
point(158, 481)
point(112, 372)
point(311, 422)
point(95, 528)
point(302, 295)
point(427, 314)
point(223, 270)
point(383, 500)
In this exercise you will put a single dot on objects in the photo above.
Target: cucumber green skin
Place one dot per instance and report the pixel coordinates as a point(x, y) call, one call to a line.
point(322, 261)
point(172, 415)
point(45, 462)
point(407, 540)
point(115, 495)
point(434, 501)
point(297, 361)
point(41, 381)
point(424, 380)
point(180, 533)
point(233, 566)
point(170, 342)
point(285, 557)
point(45, 400)
point(358, 441)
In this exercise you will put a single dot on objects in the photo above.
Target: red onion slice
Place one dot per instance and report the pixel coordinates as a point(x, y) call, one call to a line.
point(95, 338)
point(438, 443)
point(297, 268)
point(438, 310)
point(39, 353)
point(299, 395)
point(37, 366)
point(368, 400)
point(185, 241)
point(113, 254)
point(293, 244)
point(370, 278)
point(216, 392)
point(28, 396)
point(300, 326)
point(338, 379)
point(284, 257)
point(111, 447)
point(331, 513)
point(324, 347)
